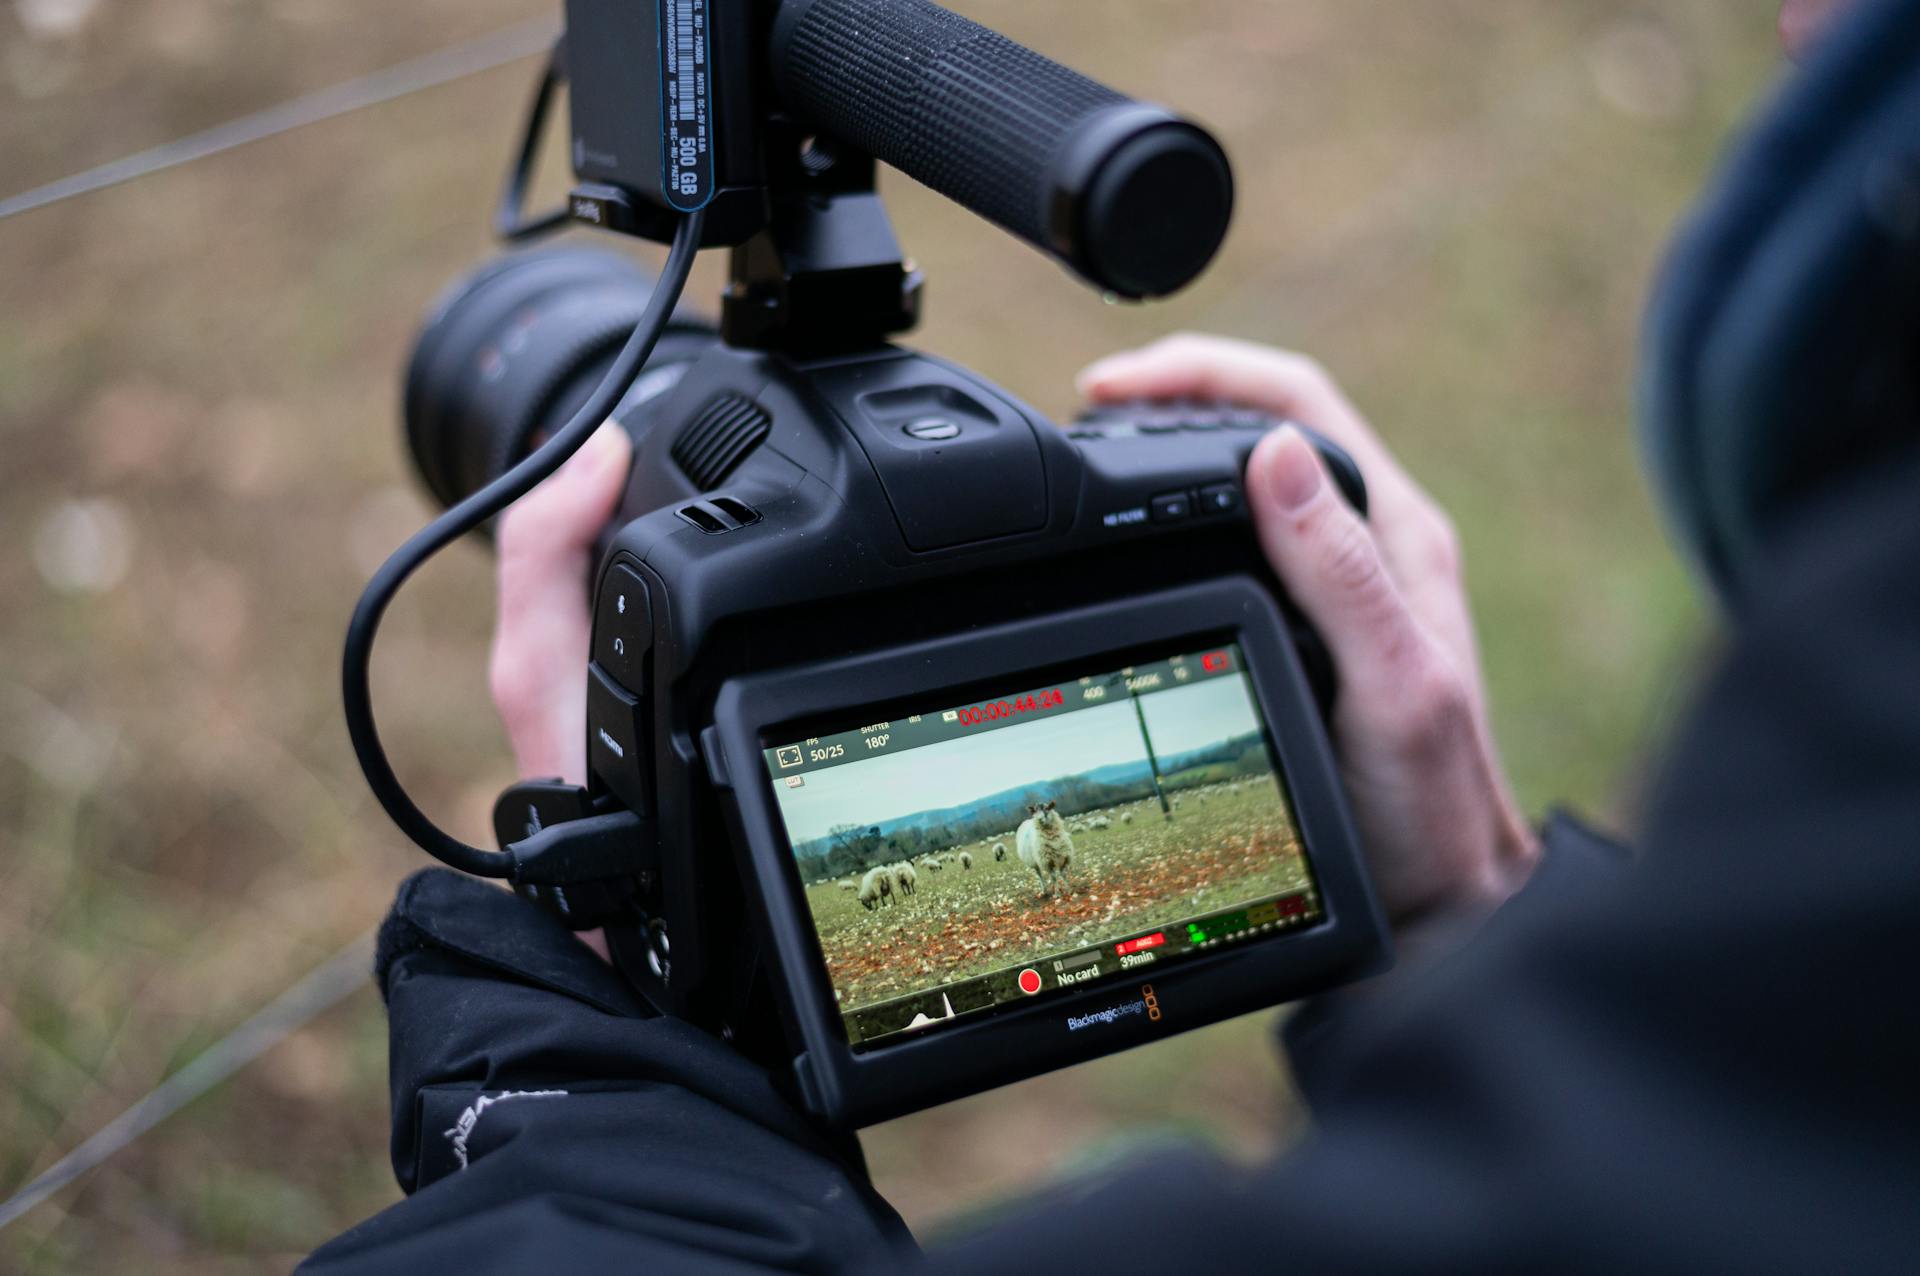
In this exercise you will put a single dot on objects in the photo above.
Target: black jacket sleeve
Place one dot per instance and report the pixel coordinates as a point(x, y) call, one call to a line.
point(1707, 1063)
point(542, 1122)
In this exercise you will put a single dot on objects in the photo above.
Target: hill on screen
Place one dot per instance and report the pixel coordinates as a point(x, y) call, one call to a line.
point(1102, 786)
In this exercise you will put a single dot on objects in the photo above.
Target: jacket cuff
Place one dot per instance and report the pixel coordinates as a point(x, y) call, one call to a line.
point(1575, 858)
point(502, 934)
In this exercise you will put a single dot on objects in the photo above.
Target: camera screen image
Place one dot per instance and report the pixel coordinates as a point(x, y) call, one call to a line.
point(997, 852)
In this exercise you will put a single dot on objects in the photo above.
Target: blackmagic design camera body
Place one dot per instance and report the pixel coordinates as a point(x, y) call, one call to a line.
point(945, 744)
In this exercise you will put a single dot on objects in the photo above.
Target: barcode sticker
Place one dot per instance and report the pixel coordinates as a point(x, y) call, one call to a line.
point(686, 116)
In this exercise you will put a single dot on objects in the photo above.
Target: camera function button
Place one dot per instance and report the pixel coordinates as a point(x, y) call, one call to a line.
point(1158, 427)
point(623, 628)
point(614, 737)
point(1205, 421)
point(932, 429)
point(1220, 498)
point(1171, 507)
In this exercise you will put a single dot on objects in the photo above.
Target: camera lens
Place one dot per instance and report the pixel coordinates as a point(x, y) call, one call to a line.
point(515, 348)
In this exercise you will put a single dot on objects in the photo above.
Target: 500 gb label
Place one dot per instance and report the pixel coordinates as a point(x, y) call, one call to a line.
point(686, 115)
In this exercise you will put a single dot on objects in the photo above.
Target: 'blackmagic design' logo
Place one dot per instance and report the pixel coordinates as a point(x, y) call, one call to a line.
point(1148, 1005)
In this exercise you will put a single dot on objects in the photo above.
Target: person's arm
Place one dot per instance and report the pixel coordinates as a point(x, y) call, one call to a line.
point(1704, 1064)
point(542, 1123)
point(1445, 842)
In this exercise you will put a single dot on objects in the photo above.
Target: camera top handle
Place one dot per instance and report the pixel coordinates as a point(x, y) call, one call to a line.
point(1130, 196)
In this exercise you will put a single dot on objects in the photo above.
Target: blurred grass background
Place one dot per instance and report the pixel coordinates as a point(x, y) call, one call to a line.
point(1456, 204)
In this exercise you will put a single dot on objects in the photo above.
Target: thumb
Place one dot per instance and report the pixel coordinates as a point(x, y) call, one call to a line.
point(1327, 558)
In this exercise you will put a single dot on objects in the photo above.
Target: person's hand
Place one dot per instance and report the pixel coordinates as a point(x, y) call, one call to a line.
point(538, 670)
point(1439, 826)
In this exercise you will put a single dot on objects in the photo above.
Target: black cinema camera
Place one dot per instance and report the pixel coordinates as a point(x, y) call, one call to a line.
point(932, 745)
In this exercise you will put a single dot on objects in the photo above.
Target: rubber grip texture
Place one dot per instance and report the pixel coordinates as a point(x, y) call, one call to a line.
point(951, 103)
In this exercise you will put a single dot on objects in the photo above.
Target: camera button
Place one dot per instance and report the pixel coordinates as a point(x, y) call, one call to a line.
point(1171, 507)
point(614, 737)
point(932, 429)
point(1220, 498)
point(623, 628)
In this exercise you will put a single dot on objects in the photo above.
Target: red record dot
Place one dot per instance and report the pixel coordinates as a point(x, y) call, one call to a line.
point(1029, 981)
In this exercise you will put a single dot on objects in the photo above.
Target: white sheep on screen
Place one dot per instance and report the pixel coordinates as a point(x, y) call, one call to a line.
point(877, 886)
point(1045, 846)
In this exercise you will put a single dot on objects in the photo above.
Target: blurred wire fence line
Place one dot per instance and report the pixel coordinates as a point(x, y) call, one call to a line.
point(431, 71)
point(344, 973)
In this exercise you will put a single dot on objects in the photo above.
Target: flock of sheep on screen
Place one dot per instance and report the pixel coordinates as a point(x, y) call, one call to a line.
point(1043, 842)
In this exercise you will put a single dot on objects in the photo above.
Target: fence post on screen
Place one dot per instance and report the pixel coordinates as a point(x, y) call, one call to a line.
point(1153, 760)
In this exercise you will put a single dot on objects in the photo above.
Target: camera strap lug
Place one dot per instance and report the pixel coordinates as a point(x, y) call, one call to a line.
point(586, 867)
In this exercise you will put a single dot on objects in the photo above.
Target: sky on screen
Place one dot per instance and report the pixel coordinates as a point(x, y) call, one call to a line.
point(954, 772)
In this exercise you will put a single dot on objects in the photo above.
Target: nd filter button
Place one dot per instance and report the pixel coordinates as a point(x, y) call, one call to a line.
point(1171, 507)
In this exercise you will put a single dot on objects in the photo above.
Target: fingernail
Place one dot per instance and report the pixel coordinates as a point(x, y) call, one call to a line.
point(1293, 471)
